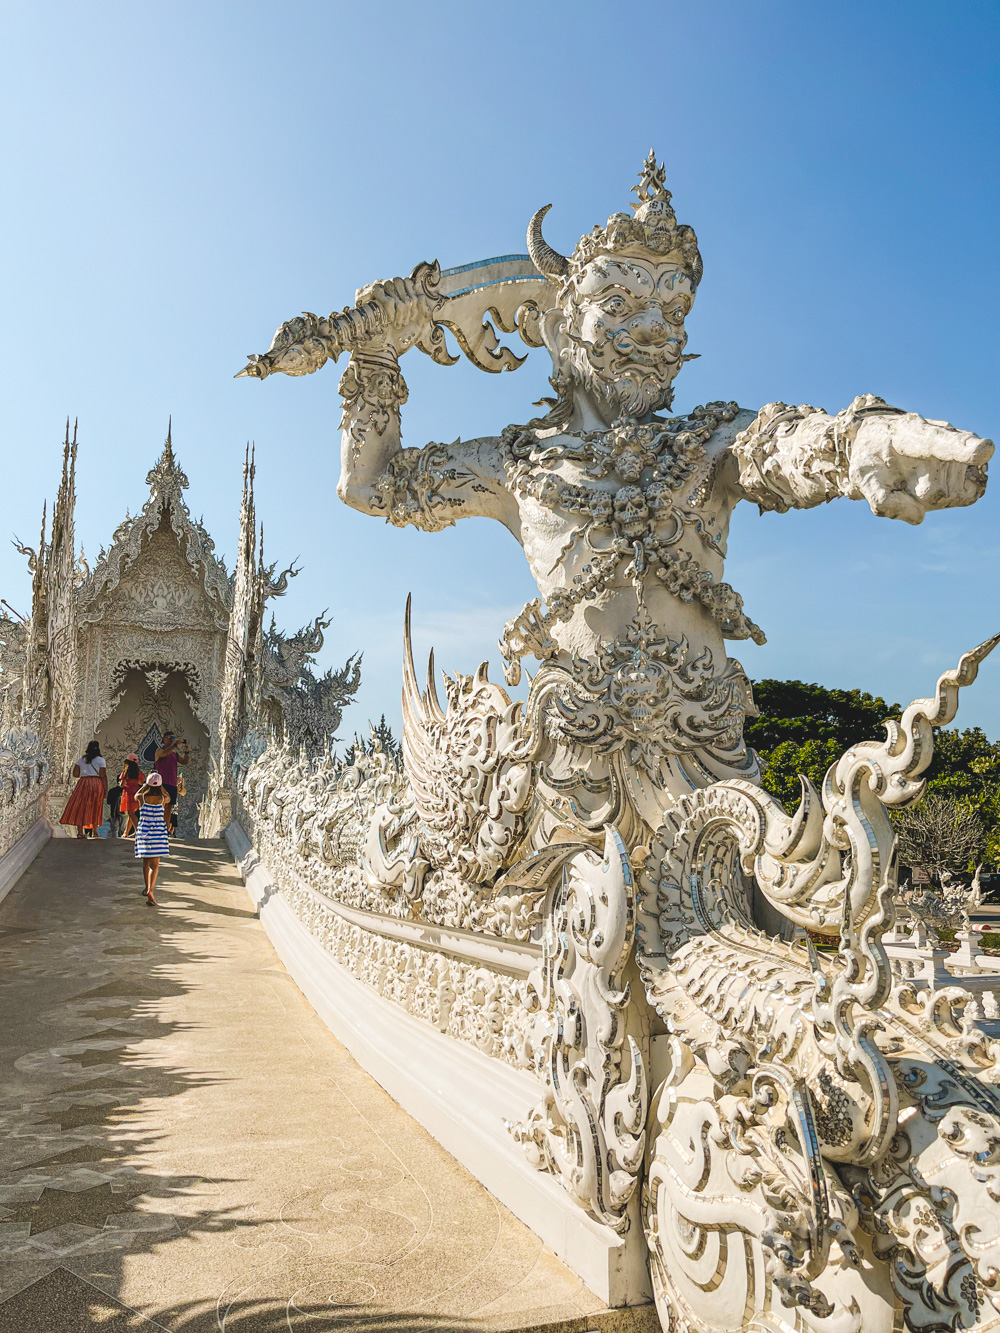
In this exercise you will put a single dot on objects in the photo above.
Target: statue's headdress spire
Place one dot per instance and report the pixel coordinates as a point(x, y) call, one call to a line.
point(652, 183)
point(654, 227)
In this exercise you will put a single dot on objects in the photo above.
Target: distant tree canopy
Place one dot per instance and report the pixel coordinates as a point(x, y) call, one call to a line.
point(804, 728)
point(938, 834)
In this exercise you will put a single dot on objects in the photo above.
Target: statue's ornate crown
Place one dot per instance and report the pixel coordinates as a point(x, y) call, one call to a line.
point(654, 228)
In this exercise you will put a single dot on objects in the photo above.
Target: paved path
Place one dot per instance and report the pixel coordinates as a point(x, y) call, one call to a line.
point(185, 1146)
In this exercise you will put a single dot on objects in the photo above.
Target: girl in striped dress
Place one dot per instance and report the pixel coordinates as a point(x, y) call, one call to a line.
point(151, 833)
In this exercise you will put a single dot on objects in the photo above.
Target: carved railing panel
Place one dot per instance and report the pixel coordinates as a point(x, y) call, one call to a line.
point(24, 773)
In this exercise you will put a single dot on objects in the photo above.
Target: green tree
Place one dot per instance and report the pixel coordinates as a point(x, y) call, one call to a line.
point(803, 728)
point(791, 710)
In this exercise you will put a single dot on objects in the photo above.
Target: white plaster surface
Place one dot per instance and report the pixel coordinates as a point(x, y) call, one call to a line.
point(16, 860)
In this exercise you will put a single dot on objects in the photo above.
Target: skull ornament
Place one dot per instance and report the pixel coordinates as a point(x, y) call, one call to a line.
point(631, 512)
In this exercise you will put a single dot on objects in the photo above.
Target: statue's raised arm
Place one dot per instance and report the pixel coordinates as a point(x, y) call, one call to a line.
point(902, 464)
point(430, 487)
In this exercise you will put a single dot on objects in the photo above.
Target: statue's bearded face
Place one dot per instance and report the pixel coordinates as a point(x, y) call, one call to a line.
point(625, 331)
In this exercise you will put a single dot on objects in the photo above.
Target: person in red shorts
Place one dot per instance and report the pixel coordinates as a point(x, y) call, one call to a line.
point(165, 761)
point(131, 779)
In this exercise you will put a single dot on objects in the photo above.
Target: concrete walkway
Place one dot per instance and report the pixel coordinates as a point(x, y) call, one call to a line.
point(185, 1146)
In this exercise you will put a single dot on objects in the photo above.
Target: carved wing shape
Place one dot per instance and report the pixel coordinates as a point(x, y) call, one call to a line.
point(469, 768)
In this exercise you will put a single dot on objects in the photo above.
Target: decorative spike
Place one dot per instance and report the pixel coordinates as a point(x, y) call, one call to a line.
point(411, 694)
point(433, 702)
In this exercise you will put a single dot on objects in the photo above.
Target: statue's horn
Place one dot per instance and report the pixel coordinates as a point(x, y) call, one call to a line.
point(549, 262)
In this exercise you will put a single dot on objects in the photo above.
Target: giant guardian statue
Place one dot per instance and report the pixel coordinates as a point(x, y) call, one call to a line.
point(805, 1141)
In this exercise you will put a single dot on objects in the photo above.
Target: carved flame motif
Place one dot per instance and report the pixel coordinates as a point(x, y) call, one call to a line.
point(469, 768)
point(589, 1128)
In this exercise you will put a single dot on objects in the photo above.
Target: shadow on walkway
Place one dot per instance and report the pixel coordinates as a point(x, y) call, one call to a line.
point(184, 1145)
point(88, 1068)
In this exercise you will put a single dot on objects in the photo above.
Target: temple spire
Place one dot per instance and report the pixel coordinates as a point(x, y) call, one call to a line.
point(167, 477)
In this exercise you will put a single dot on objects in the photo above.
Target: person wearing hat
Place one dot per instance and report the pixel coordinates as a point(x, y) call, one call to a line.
point(130, 780)
point(151, 831)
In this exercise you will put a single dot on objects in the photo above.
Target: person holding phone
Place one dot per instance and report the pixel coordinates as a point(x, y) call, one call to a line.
point(166, 760)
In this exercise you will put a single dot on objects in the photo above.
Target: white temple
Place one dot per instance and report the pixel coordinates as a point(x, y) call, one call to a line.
point(160, 636)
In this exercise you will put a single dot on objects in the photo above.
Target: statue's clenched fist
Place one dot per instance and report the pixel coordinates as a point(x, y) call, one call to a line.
point(904, 465)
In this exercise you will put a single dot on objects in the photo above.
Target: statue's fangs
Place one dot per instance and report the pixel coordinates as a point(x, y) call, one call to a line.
point(805, 1141)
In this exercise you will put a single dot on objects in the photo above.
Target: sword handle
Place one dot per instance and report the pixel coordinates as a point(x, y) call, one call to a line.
point(397, 310)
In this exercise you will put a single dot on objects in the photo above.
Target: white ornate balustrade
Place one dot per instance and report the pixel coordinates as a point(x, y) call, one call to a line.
point(24, 772)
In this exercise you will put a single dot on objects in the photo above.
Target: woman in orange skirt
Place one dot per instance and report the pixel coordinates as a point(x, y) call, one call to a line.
point(131, 779)
point(85, 807)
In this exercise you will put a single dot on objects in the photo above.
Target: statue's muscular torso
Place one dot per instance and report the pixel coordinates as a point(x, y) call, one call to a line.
point(602, 517)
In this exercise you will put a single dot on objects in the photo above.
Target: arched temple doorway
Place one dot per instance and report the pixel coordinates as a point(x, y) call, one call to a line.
point(153, 698)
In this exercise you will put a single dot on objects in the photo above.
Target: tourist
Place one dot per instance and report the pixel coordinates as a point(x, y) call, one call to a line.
point(114, 799)
point(165, 762)
point(151, 832)
point(131, 778)
point(85, 807)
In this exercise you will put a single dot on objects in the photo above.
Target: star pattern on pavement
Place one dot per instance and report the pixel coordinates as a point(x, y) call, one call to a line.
point(55, 1208)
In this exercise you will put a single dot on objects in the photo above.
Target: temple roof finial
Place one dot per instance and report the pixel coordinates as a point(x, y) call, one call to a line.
point(167, 476)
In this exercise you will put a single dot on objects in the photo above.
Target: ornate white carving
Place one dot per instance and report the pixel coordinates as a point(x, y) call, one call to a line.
point(776, 1187)
point(163, 598)
point(467, 768)
point(807, 1070)
point(949, 908)
point(24, 771)
point(589, 1128)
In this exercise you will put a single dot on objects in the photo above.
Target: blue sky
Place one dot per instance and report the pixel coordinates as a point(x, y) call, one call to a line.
point(180, 179)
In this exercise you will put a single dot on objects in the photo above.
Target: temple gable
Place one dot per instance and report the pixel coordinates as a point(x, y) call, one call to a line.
point(161, 591)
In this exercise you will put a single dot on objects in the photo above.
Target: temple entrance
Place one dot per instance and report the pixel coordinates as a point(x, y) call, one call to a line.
point(154, 698)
